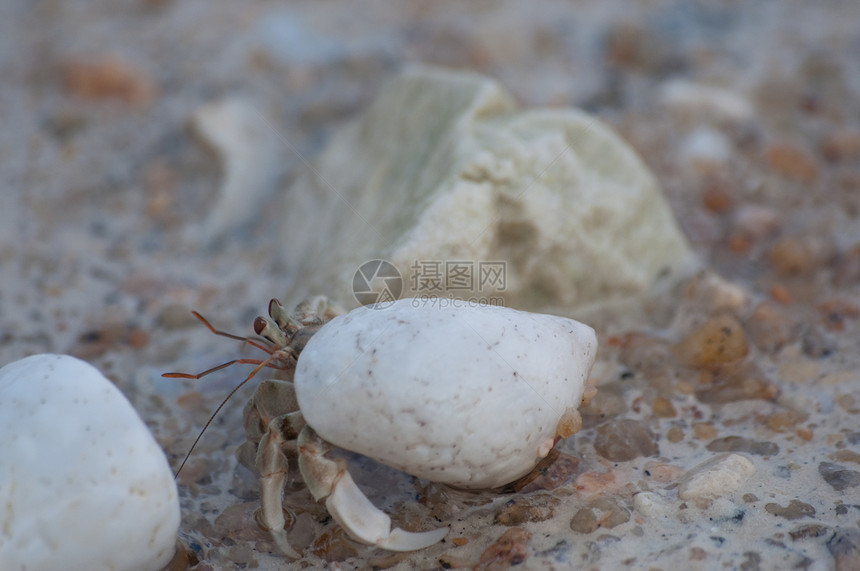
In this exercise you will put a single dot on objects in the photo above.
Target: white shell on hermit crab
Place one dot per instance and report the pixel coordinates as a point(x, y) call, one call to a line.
point(472, 396)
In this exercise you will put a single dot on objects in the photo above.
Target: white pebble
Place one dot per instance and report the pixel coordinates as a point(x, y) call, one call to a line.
point(83, 484)
point(651, 504)
point(699, 98)
point(719, 476)
point(706, 146)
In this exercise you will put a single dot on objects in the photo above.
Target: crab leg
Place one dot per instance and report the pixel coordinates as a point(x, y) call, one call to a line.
point(272, 462)
point(348, 505)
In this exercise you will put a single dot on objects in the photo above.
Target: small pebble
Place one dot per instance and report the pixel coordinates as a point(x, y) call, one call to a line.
point(793, 162)
point(704, 430)
point(735, 382)
point(839, 477)
point(562, 468)
point(607, 404)
point(741, 444)
point(333, 545)
point(841, 145)
point(836, 313)
point(651, 504)
point(600, 513)
point(847, 266)
point(705, 147)
point(509, 550)
point(810, 530)
point(794, 510)
point(844, 546)
point(717, 198)
point(663, 408)
point(846, 456)
point(675, 434)
point(785, 420)
point(524, 509)
point(625, 439)
point(771, 327)
point(719, 341)
point(716, 477)
point(800, 255)
point(756, 222)
point(108, 77)
point(662, 472)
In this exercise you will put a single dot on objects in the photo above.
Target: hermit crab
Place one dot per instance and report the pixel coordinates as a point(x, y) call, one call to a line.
point(468, 395)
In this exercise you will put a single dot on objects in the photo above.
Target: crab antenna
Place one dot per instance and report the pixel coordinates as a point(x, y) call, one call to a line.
point(198, 375)
point(248, 340)
point(217, 410)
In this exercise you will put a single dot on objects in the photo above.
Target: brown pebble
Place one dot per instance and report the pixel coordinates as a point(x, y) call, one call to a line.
point(387, 561)
point(719, 341)
point(816, 343)
point(698, 554)
point(846, 456)
point(183, 558)
point(625, 439)
point(847, 266)
point(524, 509)
point(237, 523)
point(717, 198)
point(509, 550)
point(741, 444)
point(459, 541)
point(792, 161)
point(780, 294)
point(842, 145)
point(835, 313)
point(108, 77)
point(662, 472)
point(333, 545)
point(785, 420)
point(607, 404)
point(771, 327)
point(137, 338)
point(804, 433)
point(800, 255)
point(739, 243)
point(807, 531)
point(794, 510)
point(751, 562)
point(704, 430)
point(750, 498)
point(839, 477)
point(643, 353)
point(663, 408)
point(550, 476)
point(736, 382)
point(844, 546)
point(600, 513)
point(848, 403)
point(598, 483)
point(675, 434)
point(756, 222)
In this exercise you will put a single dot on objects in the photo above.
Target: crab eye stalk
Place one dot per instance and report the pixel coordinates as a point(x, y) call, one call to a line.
point(268, 329)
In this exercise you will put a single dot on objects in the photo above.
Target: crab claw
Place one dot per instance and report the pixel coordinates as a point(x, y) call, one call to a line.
point(348, 505)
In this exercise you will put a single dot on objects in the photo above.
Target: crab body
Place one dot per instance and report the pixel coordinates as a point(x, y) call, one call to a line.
point(471, 396)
